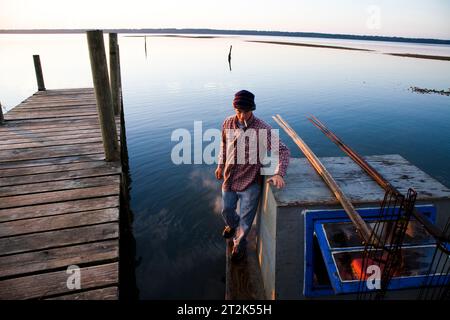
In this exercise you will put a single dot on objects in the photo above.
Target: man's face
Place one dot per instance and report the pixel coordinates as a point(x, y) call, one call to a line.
point(243, 116)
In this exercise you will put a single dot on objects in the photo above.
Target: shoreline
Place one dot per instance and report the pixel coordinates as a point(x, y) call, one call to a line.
point(420, 56)
point(407, 55)
point(427, 91)
point(301, 44)
point(173, 36)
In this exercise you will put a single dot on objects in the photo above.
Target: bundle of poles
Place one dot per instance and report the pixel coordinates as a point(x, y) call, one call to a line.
point(435, 285)
point(364, 230)
point(382, 182)
point(361, 226)
point(389, 256)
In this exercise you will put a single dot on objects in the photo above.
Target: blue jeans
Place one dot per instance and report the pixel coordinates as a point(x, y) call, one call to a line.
point(247, 210)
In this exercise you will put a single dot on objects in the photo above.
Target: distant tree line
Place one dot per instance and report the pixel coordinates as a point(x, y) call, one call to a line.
point(241, 32)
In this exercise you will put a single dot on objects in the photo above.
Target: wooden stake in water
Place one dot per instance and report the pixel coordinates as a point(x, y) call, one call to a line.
point(38, 70)
point(1, 114)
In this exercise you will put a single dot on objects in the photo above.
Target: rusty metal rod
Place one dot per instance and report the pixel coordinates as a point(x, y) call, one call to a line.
point(431, 228)
point(360, 224)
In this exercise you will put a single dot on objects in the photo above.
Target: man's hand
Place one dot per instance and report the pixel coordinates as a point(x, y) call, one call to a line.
point(219, 173)
point(277, 181)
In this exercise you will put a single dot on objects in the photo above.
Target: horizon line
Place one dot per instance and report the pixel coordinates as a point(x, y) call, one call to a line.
point(237, 32)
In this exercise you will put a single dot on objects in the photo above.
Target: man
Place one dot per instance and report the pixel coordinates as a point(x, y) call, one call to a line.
point(242, 181)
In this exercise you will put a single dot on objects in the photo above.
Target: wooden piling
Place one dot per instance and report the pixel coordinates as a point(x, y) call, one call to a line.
point(1, 114)
point(102, 89)
point(114, 72)
point(120, 77)
point(38, 69)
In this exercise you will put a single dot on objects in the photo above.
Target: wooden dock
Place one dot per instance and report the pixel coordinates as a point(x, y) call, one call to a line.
point(59, 199)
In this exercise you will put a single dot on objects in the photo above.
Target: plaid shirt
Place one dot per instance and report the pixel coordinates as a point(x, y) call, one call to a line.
point(237, 177)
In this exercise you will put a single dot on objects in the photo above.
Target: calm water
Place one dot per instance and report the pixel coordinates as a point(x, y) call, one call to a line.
point(362, 96)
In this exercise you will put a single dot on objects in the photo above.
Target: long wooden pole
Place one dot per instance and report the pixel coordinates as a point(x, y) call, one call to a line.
point(360, 224)
point(382, 182)
point(114, 72)
point(102, 88)
point(38, 70)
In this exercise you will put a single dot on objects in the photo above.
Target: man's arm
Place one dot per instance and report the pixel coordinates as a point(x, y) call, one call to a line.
point(284, 154)
point(222, 155)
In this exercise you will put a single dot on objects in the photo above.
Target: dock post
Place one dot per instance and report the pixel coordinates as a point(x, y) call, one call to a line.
point(120, 75)
point(38, 69)
point(1, 114)
point(114, 72)
point(102, 89)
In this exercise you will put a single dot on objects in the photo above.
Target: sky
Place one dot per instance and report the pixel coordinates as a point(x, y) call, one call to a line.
point(404, 18)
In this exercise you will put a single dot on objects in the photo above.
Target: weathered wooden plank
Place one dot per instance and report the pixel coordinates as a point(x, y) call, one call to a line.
point(58, 109)
point(57, 97)
point(62, 112)
point(48, 169)
point(50, 152)
point(46, 115)
point(69, 118)
point(60, 134)
point(49, 123)
point(50, 132)
point(25, 126)
point(19, 264)
point(55, 105)
point(58, 196)
point(94, 156)
point(55, 222)
point(50, 143)
point(25, 136)
point(88, 100)
point(23, 129)
point(38, 187)
point(99, 171)
point(49, 95)
point(58, 102)
point(64, 91)
point(53, 283)
point(58, 238)
point(110, 293)
point(43, 210)
point(55, 109)
point(54, 112)
point(44, 137)
point(60, 95)
point(60, 92)
point(43, 124)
